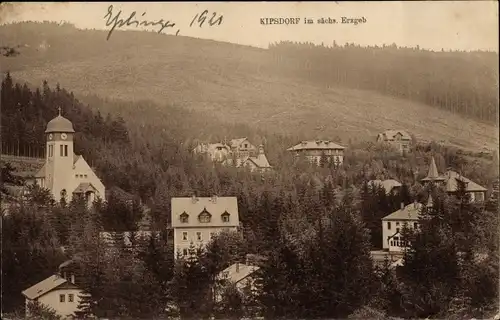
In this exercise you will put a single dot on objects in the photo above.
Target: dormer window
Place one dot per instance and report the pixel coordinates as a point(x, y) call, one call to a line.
point(205, 216)
point(184, 217)
point(225, 216)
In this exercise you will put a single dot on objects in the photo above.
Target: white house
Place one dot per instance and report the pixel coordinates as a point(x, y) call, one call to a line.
point(392, 225)
point(64, 173)
point(315, 149)
point(55, 292)
point(195, 220)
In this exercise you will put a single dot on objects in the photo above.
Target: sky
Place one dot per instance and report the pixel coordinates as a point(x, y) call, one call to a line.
point(456, 25)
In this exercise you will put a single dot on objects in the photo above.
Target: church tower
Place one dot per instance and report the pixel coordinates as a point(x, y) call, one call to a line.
point(59, 160)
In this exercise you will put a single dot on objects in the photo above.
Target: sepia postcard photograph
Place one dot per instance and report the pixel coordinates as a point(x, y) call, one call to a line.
point(250, 160)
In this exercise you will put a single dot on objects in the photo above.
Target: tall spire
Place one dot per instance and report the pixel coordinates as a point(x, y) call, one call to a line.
point(59, 109)
point(433, 173)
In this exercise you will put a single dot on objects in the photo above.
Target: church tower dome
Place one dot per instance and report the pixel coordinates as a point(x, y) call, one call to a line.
point(60, 124)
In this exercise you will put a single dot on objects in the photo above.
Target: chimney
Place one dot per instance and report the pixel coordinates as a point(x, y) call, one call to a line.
point(402, 205)
point(214, 199)
point(194, 199)
point(72, 278)
point(237, 267)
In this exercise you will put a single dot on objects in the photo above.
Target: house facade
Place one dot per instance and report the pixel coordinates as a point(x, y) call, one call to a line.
point(392, 226)
point(64, 173)
point(399, 139)
point(56, 293)
point(257, 163)
point(314, 150)
point(195, 220)
point(242, 147)
point(450, 181)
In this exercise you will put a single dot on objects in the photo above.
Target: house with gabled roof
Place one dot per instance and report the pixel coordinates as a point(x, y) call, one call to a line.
point(397, 138)
point(314, 150)
point(253, 163)
point(55, 292)
point(450, 181)
point(243, 276)
point(392, 224)
point(196, 220)
point(242, 147)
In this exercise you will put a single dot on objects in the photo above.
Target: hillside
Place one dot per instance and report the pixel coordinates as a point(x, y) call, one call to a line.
point(236, 84)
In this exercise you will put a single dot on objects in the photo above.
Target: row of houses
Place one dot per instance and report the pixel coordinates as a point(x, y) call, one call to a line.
point(242, 153)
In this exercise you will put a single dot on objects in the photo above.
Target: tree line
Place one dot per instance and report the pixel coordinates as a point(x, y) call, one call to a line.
point(456, 81)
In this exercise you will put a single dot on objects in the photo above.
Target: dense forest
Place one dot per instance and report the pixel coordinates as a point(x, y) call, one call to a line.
point(461, 82)
point(318, 260)
point(304, 218)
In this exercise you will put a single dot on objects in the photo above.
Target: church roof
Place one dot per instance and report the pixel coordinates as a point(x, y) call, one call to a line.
point(84, 187)
point(59, 124)
point(41, 173)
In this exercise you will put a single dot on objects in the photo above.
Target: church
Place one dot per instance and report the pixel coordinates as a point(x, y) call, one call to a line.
point(64, 173)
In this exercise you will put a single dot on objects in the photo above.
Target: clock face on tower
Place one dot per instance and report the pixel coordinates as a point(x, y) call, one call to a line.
point(50, 136)
point(64, 136)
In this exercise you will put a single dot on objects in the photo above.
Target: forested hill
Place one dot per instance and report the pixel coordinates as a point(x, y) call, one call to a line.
point(342, 93)
point(457, 81)
point(25, 114)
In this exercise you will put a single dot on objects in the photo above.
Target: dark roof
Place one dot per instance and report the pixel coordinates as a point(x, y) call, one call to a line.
point(60, 124)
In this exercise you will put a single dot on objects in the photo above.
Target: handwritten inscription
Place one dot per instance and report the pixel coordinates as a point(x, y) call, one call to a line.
point(200, 19)
point(115, 21)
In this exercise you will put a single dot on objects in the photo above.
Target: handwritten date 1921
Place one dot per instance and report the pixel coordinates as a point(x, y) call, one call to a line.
point(199, 19)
